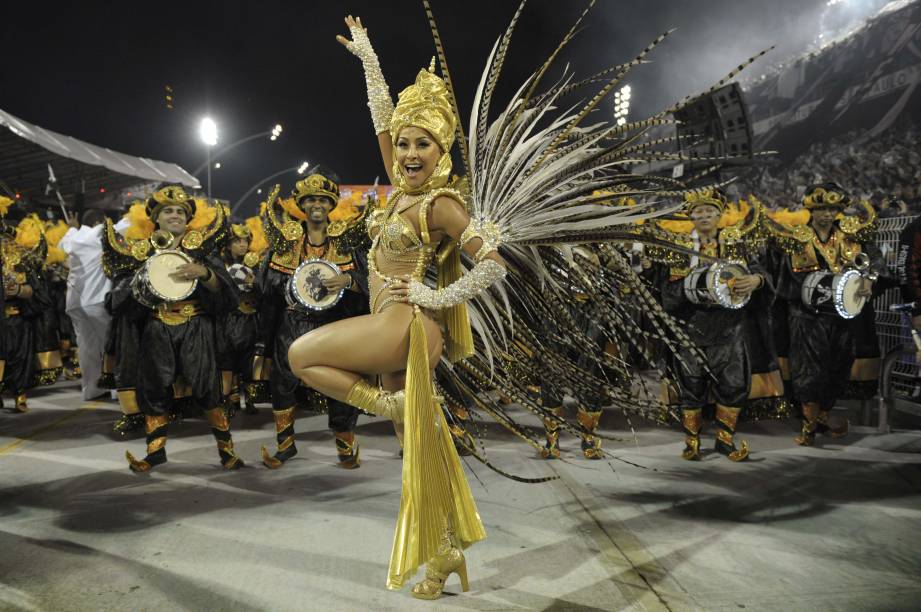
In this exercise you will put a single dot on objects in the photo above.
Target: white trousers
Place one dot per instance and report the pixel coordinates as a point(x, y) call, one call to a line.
point(90, 324)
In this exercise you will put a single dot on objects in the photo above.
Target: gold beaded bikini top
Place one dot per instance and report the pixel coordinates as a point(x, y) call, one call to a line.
point(396, 248)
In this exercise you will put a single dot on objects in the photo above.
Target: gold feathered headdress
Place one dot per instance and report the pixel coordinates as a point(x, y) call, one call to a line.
point(426, 104)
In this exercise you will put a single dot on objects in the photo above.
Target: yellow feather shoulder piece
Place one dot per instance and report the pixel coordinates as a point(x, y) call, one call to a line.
point(790, 217)
point(258, 244)
point(141, 227)
point(5, 204)
point(205, 214)
point(29, 232)
point(346, 209)
point(54, 232)
point(292, 209)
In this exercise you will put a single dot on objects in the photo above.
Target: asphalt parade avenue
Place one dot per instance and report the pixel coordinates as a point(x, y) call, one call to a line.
point(831, 528)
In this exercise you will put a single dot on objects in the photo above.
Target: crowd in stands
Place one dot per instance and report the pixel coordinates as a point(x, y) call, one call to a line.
point(884, 169)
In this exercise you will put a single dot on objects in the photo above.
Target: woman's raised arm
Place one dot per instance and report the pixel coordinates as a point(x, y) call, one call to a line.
point(379, 100)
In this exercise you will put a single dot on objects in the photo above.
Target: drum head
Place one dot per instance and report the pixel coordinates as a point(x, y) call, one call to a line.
point(306, 285)
point(720, 279)
point(847, 302)
point(159, 267)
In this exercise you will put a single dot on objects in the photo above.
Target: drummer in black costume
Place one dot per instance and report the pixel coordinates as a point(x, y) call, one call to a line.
point(178, 338)
point(821, 339)
point(715, 324)
point(239, 330)
point(299, 231)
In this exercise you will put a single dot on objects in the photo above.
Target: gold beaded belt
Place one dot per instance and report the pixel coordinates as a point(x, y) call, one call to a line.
point(178, 313)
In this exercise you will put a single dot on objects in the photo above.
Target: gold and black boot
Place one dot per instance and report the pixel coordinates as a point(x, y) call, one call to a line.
point(588, 422)
point(220, 428)
point(21, 405)
point(449, 560)
point(551, 449)
point(826, 429)
point(348, 450)
point(691, 422)
point(131, 419)
point(284, 437)
point(726, 419)
point(156, 444)
point(810, 424)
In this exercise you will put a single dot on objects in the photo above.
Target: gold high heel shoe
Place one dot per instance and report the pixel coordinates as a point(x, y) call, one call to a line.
point(449, 560)
point(437, 571)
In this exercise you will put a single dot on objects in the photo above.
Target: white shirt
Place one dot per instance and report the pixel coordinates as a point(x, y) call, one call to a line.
point(87, 285)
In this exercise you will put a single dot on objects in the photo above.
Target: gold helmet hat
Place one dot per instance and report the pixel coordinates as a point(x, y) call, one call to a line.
point(316, 184)
point(826, 195)
point(710, 197)
point(171, 195)
point(426, 104)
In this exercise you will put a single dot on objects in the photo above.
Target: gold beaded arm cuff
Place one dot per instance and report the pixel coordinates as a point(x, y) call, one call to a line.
point(379, 100)
point(487, 231)
point(477, 280)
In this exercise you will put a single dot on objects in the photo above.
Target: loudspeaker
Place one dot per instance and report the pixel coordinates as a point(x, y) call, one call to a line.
point(716, 124)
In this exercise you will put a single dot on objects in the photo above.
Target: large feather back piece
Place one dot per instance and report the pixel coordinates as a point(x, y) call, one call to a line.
point(537, 168)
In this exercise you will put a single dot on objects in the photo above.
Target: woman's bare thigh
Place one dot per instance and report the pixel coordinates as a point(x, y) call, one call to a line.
point(367, 344)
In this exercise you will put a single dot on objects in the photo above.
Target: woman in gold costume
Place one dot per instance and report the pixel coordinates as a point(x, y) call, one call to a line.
point(438, 517)
point(539, 183)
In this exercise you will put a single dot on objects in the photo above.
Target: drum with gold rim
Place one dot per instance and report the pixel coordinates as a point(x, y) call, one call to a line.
point(305, 286)
point(825, 292)
point(712, 285)
point(152, 284)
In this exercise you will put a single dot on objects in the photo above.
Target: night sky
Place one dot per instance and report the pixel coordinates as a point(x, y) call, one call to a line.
point(97, 70)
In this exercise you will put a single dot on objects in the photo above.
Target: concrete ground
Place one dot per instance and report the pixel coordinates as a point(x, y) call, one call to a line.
point(830, 528)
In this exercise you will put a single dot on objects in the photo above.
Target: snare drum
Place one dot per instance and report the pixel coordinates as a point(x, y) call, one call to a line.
point(835, 294)
point(305, 287)
point(712, 285)
point(153, 285)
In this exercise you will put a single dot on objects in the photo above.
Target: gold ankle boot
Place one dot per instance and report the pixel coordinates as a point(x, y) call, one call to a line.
point(284, 436)
point(726, 419)
point(810, 424)
point(449, 560)
point(156, 428)
point(348, 450)
point(551, 449)
point(591, 444)
point(691, 422)
point(21, 405)
point(378, 402)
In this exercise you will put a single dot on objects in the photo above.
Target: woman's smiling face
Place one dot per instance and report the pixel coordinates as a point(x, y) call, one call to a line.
point(417, 154)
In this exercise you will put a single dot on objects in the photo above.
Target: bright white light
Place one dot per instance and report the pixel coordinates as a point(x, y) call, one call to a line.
point(303, 168)
point(626, 89)
point(217, 165)
point(208, 131)
point(258, 191)
point(622, 121)
point(277, 128)
point(273, 137)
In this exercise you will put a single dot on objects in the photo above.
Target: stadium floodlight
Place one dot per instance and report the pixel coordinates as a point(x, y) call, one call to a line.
point(303, 167)
point(208, 131)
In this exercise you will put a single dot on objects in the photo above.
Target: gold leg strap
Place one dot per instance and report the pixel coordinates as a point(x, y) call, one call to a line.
point(375, 401)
